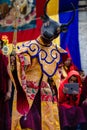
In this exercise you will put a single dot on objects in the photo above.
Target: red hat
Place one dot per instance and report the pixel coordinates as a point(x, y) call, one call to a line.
point(66, 56)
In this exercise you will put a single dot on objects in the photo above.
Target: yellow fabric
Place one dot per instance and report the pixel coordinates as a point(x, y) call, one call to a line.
point(56, 78)
point(52, 7)
point(49, 109)
point(49, 113)
point(15, 115)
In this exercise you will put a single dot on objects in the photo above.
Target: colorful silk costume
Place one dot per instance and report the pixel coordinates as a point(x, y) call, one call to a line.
point(37, 62)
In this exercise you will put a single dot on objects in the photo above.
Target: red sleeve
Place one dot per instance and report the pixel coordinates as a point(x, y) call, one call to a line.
point(78, 97)
point(62, 96)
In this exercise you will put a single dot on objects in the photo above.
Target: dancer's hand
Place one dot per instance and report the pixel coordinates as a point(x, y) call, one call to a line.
point(7, 96)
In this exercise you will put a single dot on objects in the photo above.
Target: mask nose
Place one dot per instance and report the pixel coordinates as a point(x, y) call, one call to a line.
point(48, 35)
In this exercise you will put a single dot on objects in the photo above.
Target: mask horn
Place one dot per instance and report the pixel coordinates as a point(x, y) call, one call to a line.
point(64, 26)
point(72, 16)
point(45, 17)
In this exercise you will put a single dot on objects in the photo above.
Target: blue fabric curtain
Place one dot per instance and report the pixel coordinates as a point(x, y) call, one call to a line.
point(70, 39)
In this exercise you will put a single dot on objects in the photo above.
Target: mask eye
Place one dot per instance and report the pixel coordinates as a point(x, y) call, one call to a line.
point(58, 30)
point(47, 24)
point(64, 28)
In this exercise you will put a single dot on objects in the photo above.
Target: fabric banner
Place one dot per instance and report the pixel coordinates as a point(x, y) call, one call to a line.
point(28, 22)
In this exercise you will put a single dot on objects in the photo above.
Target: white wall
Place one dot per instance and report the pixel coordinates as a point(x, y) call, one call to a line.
point(83, 39)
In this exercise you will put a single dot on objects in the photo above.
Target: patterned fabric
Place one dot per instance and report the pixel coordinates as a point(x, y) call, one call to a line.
point(34, 99)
